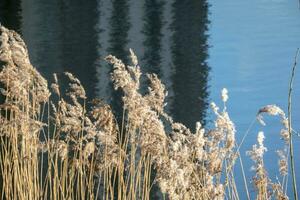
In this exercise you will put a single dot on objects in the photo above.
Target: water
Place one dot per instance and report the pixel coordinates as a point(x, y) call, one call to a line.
point(196, 47)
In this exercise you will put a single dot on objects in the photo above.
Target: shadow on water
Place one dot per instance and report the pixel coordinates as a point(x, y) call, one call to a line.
point(10, 14)
point(61, 37)
point(189, 53)
point(153, 22)
point(79, 41)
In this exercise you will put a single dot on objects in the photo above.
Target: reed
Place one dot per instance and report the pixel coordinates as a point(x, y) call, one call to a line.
point(54, 147)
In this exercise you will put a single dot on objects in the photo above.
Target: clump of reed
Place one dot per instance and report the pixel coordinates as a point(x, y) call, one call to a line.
point(57, 148)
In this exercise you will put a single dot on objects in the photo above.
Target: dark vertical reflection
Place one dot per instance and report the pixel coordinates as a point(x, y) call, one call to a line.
point(79, 50)
point(119, 29)
point(189, 53)
point(10, 14)
point(61, 37)
point(118, 40)
point(152, 30)
point(42, 31)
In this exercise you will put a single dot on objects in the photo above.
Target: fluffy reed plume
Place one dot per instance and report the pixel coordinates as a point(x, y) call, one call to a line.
point(261, 179)
point(274, 110)
point(56, 148)
point(266, 189)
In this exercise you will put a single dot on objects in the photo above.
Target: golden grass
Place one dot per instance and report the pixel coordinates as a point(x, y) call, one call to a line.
point(59, 149)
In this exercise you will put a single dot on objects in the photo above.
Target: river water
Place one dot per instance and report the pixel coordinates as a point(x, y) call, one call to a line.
point(196, 47)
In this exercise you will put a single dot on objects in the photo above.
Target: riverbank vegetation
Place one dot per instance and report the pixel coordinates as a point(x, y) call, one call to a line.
point(54, 146)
